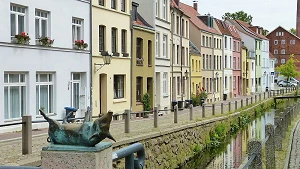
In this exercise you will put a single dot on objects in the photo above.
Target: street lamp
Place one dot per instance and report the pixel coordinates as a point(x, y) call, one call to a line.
point(186, 74)
point(106, 60)
point(265, 73)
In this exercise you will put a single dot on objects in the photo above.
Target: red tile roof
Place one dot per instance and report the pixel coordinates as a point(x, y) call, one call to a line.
point(174, 5)
point(141, 22)
point(234, 31)
point(138, 22)
point(223, 27)
point(193, 14)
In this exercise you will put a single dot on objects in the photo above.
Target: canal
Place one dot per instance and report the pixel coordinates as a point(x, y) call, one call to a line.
point(232, 153)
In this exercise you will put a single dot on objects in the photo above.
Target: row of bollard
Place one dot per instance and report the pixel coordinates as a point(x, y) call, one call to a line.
point(249, 101)
point(273, 142)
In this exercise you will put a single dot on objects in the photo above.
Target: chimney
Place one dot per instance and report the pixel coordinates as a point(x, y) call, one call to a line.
point(134, 10)
point(195, 4)
point(298, 19)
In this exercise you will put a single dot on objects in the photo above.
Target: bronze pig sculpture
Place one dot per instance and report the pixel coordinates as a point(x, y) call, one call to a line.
point(86, 134)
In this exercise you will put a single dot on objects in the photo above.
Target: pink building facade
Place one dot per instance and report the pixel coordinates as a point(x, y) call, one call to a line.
point(236, 62)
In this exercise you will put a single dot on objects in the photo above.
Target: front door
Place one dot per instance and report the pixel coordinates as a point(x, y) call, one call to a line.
point(75, 90)
point(103, 93)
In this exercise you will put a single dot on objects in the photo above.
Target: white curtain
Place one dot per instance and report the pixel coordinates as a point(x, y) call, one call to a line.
point(6, 113)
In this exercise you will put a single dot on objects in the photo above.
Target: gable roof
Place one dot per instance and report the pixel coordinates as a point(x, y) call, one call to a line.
point(194, 49)
point(234, 32)
point(247, 26)
point(193, 14)
point(241, 28)
point(140, 21)
point(223, 27)
point(285, 30)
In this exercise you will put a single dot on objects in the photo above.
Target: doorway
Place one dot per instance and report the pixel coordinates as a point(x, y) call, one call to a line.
point(102, 93)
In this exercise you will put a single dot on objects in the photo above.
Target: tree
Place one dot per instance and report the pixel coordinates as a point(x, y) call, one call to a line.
point(289, 68)
point(240, 15)
point(293, 31)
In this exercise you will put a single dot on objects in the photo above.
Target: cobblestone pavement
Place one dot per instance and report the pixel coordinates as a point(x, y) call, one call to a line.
point(11, 149)
point(294, 162)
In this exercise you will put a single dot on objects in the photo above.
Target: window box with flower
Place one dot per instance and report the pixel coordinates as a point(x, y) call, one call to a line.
point(45, 41)
point(22, 38)
point(80, 45)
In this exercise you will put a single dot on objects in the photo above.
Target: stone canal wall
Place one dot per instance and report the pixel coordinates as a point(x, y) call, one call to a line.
point(169, 148)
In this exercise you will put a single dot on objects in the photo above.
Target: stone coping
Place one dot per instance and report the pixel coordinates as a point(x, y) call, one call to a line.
point(99, 147)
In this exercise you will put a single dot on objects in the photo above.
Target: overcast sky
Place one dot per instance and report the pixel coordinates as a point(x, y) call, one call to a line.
point(266, 13)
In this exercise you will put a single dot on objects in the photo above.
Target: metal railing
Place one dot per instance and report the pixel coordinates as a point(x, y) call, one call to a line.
point(131, 162)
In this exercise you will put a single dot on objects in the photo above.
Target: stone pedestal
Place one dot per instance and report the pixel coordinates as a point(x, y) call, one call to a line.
point(71, 157)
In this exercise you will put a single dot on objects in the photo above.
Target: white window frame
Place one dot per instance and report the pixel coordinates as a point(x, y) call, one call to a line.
point(77, 23)
point(41, 16)
point(283, 42)
point(165, 83)
point(21, 83)
point(282, 51)
point(164, 12)
point(276, 51)
point(156, 8)
point(48, 83)
point(276, 33)
point(165, 46)
point(282, 61)
point(22, 12)
point(234, 82)
point(120, 90)
point(275, 42)
point(75, 81)
point(157, 43)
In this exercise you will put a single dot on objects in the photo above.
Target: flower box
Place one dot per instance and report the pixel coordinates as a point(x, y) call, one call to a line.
point(80, 45)
point(45, 41)
point(22, 38)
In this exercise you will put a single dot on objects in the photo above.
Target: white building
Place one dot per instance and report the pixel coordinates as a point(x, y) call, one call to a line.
point(271, 71)
point(34, 76)
point(265, 67)
point(252, 71)
point(227, 62)
point(157, 14)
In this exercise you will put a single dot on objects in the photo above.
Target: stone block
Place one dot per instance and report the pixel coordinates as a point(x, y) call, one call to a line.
point(71, 157)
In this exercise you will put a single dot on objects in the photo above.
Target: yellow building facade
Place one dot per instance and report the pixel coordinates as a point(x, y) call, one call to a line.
point(245, 72)
point(196, 67)
point(142, 61)
point(111, 36)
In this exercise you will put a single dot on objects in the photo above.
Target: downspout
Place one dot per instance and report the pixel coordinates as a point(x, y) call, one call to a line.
point(182, 81)
point(213, 72)
point(172, 64)
point(222, 64)
point(91, 63)
point(131, 60)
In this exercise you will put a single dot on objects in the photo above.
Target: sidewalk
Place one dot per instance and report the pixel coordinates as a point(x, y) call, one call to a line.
point(11, 145)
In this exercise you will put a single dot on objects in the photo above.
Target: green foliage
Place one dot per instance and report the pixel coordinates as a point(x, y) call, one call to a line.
point(289, 68)
point(244, 120)
point(146, 102)
point(218, 135)
point(197, 148)
point(196, 100)
point(240, 15)
point(234, 128)
point(293, 31)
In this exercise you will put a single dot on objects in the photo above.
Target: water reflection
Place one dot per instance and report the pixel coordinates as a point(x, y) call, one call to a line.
point(235, 152)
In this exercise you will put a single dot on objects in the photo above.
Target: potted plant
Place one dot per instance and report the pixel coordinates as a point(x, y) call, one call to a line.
point(195, 100)
point(22, 38)
point(46, 41)
point(203, 95)
point(146, 104)
point(80, 44)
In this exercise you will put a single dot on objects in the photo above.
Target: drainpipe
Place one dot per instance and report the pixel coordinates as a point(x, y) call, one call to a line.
point(222, 65)
point(213, 72)
point(131, 60)
point(91, 62)
point(173, 56)
point(182, 81)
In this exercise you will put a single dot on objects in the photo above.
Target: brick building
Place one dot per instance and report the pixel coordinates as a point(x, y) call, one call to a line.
point(282, 44)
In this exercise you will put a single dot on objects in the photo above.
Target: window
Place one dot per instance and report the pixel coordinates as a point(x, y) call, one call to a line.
point(76, 29)
point(276, 33)
point(193, 65)
point(119, 86)
point(206, 61)
point(113, 4)
point(139, 91)
point(165, 83)
point(178, 55)
point(292, 42)
point(210, 62)
point(230, 43)
point(234, 82)
point(183, 56)
point(178, 86)
point(41, 24)
point(238, 47)
point(217, 43)
point(238, 63)
point(157, 45)
point(149, 53)
point(75, 88)
point(225, 82)
point(17, 20)
point(101, 2)
point(44, 93)
point(225, 62)
point(182, 28)
point(203, 40)
point(209, 41)
point(203, 61)
point(139, 49)
point(282, 42)
point(234, 66)
point(183, 87)
point(114, 40)
point(187, 57)
point(165, 45)
point(187, 29)
point(275, 42)
point(164, 9)
point(275, 51)
point(225, 42)
point(14, 96)
point(123, 41)
point(282, 51)
point(214, 42)
point(230, 66)
point(123, 3)
point(206, 41)
point(101, 38)
point(234, 46)
point(282, 61)
point(252, 66)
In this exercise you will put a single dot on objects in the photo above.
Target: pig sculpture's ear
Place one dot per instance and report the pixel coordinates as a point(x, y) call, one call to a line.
point(103, 124)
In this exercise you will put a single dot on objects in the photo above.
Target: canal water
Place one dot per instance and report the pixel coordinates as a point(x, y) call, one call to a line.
point(232, 153)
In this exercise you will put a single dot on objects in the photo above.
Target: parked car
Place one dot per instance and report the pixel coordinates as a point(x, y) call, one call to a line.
point(284, 83)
